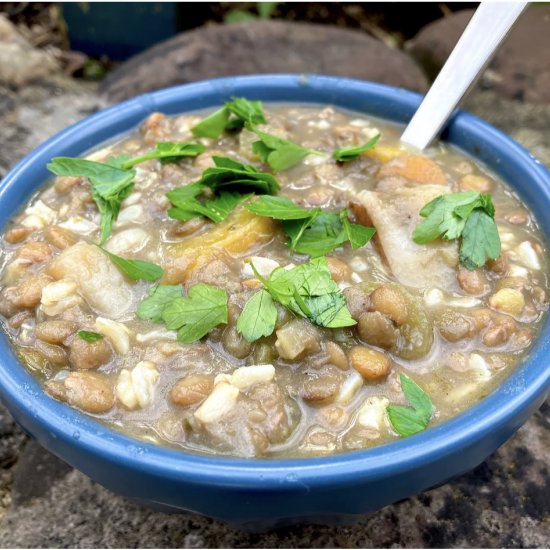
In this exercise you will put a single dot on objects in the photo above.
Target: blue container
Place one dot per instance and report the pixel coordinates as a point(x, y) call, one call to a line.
point(266, 493)
point(119, 29)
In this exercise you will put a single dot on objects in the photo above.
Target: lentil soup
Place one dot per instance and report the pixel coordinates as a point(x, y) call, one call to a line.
point(286, 281)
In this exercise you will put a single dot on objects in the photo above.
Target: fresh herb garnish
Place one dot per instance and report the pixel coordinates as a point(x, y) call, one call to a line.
point(469, 215)
point(167, 152)
point(258, 317)
point(312, 231)
point(204, 308)
point(231, 181)
point(345, 154)
point(216, 209)
point(181, 195)
point(230, 175)
point(136, 269)
point(233, 115)
point(246, 112)
point(213, 125)
point(111, 182)
point(159, 297)
point(193, 316)
point(90, 336)
point(107, 180)
point(322, 235)
point(410, 420)
point(279, 153)
point(309, 291)
point(358, 235)
point(480, 240)
point(280, 208)
point(109, 186)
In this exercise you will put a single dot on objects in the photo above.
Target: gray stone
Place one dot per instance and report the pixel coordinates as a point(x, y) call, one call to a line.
point(12, 440)
point(39, 110)
point(521, 67)
point(433, 44)
point(505, 502)
point(529, 124)
point(20, 62)
point(36, 471)
point(277, 46)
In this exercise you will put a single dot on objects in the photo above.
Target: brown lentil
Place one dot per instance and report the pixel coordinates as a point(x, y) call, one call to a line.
point(191, 390)
point(390, 302)
point(370, 364)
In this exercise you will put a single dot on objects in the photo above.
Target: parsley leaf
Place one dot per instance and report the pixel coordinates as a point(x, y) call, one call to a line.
point(166, 152)
point(109, 185)
point(469, 215)
point(258, 317)
point(410, 420)
point(111, 182)
point(118, 161)
point(311, 230)
point(279, 153)
point(229, 174)
point(345, 154)
point(328, 310)
point(322, 301)
point(109, 210)
point(217, 209)
point(246, 111)
point(296, 229)
point(90, 336)
point(321, 236)
point(194, 315)
point(279, 208)
point(213, 125)
point(108, 181)
point(181, 195)
point(233, 115)
point(480, 240)
point(159, 297)
point(226, 179)
point(204, 308)
point(445, 216)
point(357, 235)
point(136, 269)
point(309, 291)
point(177, 213)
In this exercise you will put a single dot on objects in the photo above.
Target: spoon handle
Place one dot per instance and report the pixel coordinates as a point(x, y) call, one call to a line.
point(477, 45)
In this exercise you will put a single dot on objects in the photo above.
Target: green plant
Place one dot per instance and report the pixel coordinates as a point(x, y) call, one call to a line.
point(265, 10)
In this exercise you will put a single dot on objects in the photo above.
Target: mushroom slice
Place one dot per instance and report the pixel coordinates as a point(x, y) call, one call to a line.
point(395, 216)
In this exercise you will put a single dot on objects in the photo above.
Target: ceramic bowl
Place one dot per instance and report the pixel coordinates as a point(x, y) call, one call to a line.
point(267, 493)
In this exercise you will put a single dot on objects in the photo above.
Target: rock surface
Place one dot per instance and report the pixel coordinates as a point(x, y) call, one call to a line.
point(527, 123)
point(505, 502)
point(19, 61)
point(520, 69)
point(222, 50)
point(55, 103)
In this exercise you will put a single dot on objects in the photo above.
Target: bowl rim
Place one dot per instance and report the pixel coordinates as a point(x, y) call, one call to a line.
point(527, 383)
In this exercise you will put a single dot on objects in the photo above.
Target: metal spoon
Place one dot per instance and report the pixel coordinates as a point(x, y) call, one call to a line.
point(473, 51)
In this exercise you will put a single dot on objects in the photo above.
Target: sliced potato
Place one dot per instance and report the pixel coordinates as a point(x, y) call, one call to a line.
point(241, 232)
point(99, 281)
point(416, 168)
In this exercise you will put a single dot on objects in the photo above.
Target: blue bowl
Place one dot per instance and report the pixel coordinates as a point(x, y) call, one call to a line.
point(267, 493)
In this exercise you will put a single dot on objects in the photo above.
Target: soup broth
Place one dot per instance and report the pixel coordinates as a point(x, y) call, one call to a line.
point(279, 382)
